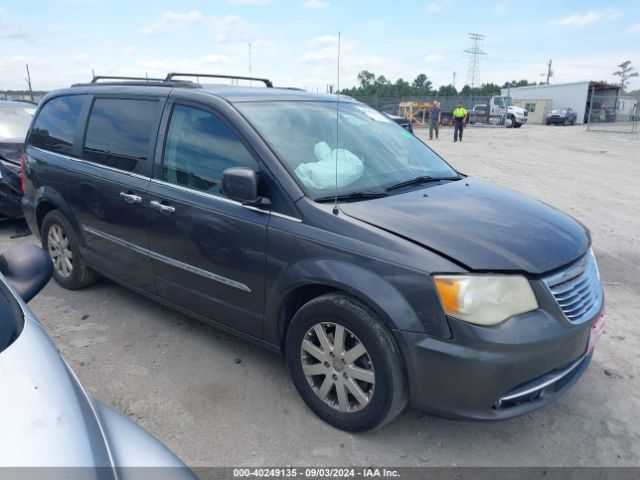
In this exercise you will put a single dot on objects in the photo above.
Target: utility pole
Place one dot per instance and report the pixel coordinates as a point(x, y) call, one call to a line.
point(454, 80)
point(250, 66)
point(28, 79)
point(549, 72)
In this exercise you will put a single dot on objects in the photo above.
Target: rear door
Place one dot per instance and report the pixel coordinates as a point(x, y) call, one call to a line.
point(208, 251)
point(108, 185)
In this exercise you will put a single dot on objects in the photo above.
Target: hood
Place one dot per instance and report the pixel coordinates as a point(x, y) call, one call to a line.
point(479, 225)
point(48, 421)
point(515, 109)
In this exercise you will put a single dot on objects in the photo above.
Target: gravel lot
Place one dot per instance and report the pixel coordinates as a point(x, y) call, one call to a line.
point(216, 400)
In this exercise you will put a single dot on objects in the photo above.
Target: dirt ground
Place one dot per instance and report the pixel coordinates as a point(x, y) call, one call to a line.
point(216, 400)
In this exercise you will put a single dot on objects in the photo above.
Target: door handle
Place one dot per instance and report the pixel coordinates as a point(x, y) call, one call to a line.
point(161, 207)
point(130, 197)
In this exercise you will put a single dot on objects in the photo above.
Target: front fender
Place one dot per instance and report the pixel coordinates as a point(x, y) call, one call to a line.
point(371, 288)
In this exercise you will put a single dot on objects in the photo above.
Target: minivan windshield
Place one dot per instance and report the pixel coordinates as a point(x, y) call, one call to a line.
point(372, 151)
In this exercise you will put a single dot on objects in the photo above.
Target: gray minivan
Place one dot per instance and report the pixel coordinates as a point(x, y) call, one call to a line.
point(317, 227)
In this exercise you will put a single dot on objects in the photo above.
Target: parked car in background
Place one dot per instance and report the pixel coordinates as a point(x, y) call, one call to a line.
point(403, 122)
point(561, 116)
point(49, 419)
point(478, 113)
point(386, 277)
point(15, 117)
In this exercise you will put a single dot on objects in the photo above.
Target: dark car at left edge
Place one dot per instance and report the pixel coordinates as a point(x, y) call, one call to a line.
point(15, 117)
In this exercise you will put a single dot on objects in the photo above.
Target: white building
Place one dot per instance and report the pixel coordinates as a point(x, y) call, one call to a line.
point(576, 95)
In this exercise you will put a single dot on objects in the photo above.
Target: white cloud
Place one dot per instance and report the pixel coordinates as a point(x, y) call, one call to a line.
point(129, 49)
point(250, 2)
point(215, 59)
point(325, 40)
point(500, 8)
point(228, 29)
point(171, 22)
point(635, 29)
point(580, 19)
point(433, 57)
point(158, 67)
point(316, 4)
point(433, 7)
point(80, 58)
point(10, 29)
point(326, 51)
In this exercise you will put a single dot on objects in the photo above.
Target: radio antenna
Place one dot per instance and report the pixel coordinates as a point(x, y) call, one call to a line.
point(335, 204)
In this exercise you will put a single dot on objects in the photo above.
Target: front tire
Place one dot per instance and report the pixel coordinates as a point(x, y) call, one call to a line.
point(345, 364)
point(59, 240)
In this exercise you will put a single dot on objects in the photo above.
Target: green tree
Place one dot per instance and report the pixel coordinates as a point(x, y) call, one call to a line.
point(447, 91)
point(625, 72)
point(366, 78)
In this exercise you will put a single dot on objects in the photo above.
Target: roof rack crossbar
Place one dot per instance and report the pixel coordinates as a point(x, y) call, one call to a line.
point(170, 77)
point(141, 79)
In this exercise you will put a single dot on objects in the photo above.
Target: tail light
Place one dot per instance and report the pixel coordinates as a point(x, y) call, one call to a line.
point(22, 180)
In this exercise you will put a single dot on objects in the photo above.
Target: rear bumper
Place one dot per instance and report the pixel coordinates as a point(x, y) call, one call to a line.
point(29, 211)
point(10, 206)
point(495, 373)
point(10, 194)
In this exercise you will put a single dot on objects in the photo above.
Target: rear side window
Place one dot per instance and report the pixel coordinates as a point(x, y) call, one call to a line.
point(118, 133)
point(199, 147)
point(56, 124)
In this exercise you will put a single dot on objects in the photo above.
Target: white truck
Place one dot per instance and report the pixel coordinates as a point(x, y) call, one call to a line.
point(500, 111)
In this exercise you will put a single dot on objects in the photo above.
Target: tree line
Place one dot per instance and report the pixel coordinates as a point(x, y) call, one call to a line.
point(370, 85)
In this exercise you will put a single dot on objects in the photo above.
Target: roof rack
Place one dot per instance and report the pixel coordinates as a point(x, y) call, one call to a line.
point(140, 79)
point(170, 76)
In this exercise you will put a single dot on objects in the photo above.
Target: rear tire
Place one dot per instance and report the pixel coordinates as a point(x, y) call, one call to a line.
point(356, 384)
point(60, 241)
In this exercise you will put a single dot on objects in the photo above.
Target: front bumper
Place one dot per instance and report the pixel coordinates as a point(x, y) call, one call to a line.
point(494, 373)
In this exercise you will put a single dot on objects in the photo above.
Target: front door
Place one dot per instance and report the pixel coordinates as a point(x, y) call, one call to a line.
point(207, 251)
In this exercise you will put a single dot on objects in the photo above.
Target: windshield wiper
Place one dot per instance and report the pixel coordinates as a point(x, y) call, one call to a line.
point(353, 196)
point(417, 180)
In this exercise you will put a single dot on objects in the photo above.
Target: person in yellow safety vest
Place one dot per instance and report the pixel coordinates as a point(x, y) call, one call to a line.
point(459, 117)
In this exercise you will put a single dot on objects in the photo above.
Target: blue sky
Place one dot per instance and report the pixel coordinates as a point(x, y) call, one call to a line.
point(295, 42)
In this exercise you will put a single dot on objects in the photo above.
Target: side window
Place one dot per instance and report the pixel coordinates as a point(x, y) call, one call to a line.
point(118, 133)
point(56, 123)
point(199, 147)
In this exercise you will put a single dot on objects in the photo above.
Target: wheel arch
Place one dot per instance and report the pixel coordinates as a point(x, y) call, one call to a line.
point(310, 279)
point(48, 199)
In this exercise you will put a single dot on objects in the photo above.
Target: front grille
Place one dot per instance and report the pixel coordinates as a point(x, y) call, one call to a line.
point(577, 289)
point(526, 113)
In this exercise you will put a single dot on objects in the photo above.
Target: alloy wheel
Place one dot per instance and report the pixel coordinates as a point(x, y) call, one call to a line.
point(338, 367)
point(60, 251)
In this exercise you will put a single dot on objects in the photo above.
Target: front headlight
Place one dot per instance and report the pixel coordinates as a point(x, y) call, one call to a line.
point(485, 299)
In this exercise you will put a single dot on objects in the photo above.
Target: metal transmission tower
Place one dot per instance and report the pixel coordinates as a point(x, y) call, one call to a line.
point(475, 53)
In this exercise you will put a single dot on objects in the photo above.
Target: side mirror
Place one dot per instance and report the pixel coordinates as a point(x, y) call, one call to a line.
point(241, 184)
point(27, 268)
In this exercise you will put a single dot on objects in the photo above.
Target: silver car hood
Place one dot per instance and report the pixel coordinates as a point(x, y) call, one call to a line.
point(48, 420)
